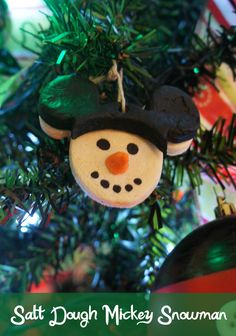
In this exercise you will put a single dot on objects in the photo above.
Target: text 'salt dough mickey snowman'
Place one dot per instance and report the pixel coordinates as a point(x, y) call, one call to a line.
point(117, 157)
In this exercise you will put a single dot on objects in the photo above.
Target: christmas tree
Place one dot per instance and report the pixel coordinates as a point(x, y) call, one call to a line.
point(50, 228)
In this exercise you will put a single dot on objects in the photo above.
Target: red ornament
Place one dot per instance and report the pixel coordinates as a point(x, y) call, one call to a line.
point(203, 262)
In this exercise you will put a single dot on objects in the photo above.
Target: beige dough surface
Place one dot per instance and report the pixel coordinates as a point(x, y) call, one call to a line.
point(54, 133)
point(178, 148)
point(86, 158)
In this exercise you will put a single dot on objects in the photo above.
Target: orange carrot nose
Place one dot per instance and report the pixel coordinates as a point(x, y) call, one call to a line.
point(117, 163)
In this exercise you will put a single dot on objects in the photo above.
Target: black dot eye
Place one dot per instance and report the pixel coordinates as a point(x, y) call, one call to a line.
point(103, 144)
point(132, 149)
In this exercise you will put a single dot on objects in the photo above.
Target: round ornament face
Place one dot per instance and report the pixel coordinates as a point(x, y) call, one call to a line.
point(115, 168)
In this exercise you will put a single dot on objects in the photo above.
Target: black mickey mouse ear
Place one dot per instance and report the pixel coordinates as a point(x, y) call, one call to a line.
point(178, 117)
point(177, 111)
point(64, 99)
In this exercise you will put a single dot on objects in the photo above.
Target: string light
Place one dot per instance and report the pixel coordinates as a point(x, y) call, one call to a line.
point(29, 220)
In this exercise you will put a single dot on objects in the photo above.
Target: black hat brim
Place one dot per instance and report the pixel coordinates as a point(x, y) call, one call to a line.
point(135, 120)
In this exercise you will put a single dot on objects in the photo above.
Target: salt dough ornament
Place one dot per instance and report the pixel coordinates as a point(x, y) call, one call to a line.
point(117, 157)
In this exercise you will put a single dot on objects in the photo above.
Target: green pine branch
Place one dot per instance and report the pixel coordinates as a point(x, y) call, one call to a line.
point(213, 153)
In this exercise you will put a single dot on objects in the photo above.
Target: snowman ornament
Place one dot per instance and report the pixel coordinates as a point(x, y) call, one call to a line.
point(115, 157)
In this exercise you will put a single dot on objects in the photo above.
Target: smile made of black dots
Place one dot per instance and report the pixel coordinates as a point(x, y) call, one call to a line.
point(132, 149)
point(116, 188)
